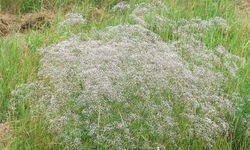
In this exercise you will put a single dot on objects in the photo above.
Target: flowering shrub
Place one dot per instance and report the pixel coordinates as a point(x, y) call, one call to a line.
point(124, 87)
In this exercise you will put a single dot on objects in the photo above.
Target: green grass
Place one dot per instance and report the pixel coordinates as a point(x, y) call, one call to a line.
point(26, 6)
point(19, 63)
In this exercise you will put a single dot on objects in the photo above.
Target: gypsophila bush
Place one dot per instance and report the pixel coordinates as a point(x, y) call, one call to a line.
point(136, 83)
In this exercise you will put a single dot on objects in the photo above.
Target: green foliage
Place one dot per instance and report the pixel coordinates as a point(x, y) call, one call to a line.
point(26, 6)
point(17, 66)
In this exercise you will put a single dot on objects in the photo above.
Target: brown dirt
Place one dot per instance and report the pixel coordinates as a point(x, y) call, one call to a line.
point(244, 11)
point(4, 134)
point(35, 21)
point(245, 6)
point(96, 14)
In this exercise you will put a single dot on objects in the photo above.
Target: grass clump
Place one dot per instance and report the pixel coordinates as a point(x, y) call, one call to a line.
point(144, 77)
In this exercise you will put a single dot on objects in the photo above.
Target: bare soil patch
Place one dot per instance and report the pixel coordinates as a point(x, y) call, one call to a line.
point(95, 14)
point(4, 133)
point(244, 10)
point(34, 21)
point(245, 6)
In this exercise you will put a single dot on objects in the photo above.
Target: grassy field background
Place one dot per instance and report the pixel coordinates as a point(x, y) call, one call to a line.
point(23, 57)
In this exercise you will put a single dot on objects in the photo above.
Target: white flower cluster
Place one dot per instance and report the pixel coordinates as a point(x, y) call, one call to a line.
point(182, 27)
point(71, 20)
point(120, 7)
point(149, 12)
point(137, 84)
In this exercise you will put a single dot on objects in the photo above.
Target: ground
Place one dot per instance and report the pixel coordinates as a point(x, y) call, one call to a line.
point(35, 21)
